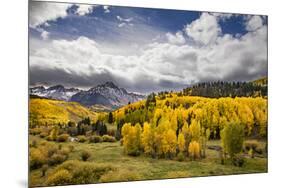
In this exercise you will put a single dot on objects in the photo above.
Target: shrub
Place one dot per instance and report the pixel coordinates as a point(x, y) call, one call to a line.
point(111, 132)
point(95, 139)
point(251, 153)
point(107, 138)
point(64, 151)
point(85, 155)
point(63, 138)
point(120, 175)
point(71, 148)
point(194, 150)
point(232, 137)
point(57, 159)
point(33, 143)
point(251, 144)
point(61, 177)
point(43, 134)
point(82, 138)
point(36, 158)
point(54, 133)
point(259, 150)
point(84, 172)
point(35, 131)
point(238, 160)
point(44, 169)
point(180, 156)
point(50, 149)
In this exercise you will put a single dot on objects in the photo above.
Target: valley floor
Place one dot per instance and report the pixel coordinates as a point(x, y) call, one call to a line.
point(146, 168)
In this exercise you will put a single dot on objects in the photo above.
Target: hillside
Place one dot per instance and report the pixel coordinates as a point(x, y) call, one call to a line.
point(257, 88)
point(213, 113)
point(49, 111)
point(261, 82)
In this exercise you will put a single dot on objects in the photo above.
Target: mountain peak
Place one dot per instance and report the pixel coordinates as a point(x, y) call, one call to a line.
point(109, 84)
point(56, 87)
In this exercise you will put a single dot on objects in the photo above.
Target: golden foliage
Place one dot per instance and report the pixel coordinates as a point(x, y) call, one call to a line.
point(51, 112)
point(194, 150)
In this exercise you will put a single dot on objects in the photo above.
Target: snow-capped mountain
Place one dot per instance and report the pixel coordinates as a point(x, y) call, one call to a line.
point(107, 94)
point(55, 92)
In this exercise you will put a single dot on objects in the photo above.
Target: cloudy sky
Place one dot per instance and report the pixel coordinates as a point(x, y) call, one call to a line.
point(142, 50)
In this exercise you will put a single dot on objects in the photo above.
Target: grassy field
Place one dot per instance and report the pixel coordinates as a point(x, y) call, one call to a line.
point(145, 168)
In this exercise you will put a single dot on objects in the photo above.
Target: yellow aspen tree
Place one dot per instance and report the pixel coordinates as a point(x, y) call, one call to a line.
point(147, 138)
point(195, 128)
point(181, 142)
point(171, 139)
point(194, 150)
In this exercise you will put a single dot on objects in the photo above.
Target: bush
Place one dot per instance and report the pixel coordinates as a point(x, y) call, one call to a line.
point(180, 157)
point(107, 138)
point(85, 155)
point(35, 131)
point(251, 144)
point(82, 138)
point(71, 148)
point(251, 153)
point(95, 139)
point(36, 158)
point(63, 138)
point(232, 137)
point(194, 150)
point(111, 132)
point(238, 160)
point(61, 177)
point(43, 134)
point(57, 159)
point(64, 151)
point(50, 149)
point(259, 150)
point(33, 144)
point(120, 175)
point(84, 172)
point(44, 169)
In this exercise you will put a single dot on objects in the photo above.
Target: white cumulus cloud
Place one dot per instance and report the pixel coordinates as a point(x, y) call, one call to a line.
point(178, 38)
point(204, 30)
point(84, 9)
point(40, 12)
point(254, 23)
point(45, 35)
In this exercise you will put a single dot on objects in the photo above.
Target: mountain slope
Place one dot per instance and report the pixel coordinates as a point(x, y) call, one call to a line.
point(107, 94)
point(261, 82)
point(55, 92)
point(48, 111)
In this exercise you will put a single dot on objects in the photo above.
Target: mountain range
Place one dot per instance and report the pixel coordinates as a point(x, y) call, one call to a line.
point(107, 94)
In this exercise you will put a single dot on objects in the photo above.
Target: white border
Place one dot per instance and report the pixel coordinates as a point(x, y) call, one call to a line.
point(14, 82)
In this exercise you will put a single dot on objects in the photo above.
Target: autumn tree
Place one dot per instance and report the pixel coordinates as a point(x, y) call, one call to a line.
point(181, 142)
point(148, 139)
point(232, 138)
point(194, 150)
point(131, 139)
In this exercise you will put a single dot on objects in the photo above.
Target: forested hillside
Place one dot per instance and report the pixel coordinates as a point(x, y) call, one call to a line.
point(52, 112)
point(257, 88)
